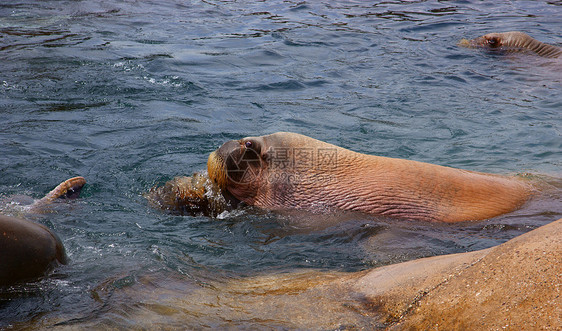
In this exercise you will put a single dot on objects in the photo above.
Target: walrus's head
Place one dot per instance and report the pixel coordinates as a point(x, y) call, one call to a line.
point(272, 170)
point(494, 40)
point(513, 40)
point(237, 166)
point(490, 40)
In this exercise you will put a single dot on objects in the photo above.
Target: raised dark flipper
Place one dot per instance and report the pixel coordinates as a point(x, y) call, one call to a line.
point(69, 189)
point(27, 250)
point(513, 41)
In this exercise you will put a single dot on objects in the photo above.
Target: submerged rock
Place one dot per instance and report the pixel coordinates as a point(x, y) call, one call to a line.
point(515, 285)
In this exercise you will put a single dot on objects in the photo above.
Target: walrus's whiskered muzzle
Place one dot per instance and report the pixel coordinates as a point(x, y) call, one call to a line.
point(217, 163)
point(217, 169)
point(481, 42)
point(469, 43)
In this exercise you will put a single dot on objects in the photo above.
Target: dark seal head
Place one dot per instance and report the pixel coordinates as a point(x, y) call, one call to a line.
point(288, 170)
point(27, 250)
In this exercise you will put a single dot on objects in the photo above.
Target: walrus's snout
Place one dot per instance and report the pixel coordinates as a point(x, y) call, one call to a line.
point(236, 163)
point(216, 163)
point(228, 148)
point(490, 40)
point(475, 43)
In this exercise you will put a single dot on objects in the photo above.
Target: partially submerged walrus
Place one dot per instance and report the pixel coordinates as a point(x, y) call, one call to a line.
point(290, 171)
point(513, 41)
point(27, 249)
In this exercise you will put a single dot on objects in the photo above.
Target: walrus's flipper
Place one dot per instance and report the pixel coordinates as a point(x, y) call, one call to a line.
point(69, 189)
point(195, 195)
point(513, 41)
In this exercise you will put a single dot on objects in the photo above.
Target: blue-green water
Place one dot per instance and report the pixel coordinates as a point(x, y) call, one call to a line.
point(130, 94)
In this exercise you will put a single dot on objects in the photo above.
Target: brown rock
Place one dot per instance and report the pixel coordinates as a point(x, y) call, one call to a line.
point(516, 285)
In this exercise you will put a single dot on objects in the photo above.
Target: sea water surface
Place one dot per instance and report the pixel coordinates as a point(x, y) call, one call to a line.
point(130, 94)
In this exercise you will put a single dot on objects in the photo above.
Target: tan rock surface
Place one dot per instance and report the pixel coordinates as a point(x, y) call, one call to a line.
point(516, 286)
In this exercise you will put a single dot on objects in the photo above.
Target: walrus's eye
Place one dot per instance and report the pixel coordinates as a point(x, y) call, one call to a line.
point(252, 145)
point(494, 42)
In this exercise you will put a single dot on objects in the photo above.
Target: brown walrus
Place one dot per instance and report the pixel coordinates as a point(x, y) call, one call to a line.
point(291, 171)
point(27, 249)
point(513, 41)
